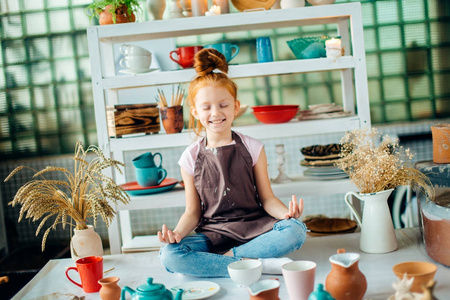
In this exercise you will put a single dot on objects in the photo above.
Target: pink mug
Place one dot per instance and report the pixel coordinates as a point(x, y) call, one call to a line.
point(185, 55)
point(91, 271)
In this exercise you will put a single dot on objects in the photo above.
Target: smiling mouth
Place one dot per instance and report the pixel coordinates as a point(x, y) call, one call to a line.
point(217, 121)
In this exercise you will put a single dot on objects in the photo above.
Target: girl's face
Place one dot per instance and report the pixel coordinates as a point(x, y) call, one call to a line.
point(215, 108)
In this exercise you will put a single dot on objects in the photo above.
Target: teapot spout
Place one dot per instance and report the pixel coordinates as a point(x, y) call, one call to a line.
point(179, 294)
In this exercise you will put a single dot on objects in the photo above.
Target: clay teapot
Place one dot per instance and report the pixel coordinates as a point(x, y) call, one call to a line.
point(150, 291)
point(266, 289)
point(345, 281)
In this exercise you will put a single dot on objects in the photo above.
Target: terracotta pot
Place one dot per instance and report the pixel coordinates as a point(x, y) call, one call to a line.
point(85, 242)
point(109, 290)
point(441, 143)
point(122, 16)
point(346, 281)
point(172, 118)
point(422, 272)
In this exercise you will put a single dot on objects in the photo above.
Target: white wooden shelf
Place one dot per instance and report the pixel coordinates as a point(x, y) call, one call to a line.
point(107, 83)
point(299, 186)
point(258, 131)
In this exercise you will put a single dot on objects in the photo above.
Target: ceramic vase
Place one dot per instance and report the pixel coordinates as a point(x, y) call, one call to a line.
point(85, 242)
point(109, 290)
point(172, 119)
point(345, 280)
point(377, 229)
point(122, 16)
point(441, 143)
point(156, 8)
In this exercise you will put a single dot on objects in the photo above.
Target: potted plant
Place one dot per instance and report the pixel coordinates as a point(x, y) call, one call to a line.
point(113, 11)
point(377, 166)
point(85, 193)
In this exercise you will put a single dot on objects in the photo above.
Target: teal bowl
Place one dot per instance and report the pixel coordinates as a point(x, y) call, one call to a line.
point(308, 47)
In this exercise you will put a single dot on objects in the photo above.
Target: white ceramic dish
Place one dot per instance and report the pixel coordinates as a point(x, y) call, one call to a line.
point(245, 272)
point(197, 289)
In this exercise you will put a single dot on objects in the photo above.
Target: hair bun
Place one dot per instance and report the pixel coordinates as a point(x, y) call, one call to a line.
point(207, 60)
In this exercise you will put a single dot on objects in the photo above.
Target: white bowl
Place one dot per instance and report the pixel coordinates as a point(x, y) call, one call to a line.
point(321, 2)
point(245, 272)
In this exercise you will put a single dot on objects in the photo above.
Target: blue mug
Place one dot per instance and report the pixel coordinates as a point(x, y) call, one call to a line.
point(226, 49)
point(148, 177)
point(264, 50)
point(147, 160)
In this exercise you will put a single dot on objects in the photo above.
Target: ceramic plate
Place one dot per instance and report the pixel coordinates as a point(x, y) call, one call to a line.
point(329, 173)
point(197, 289)
point(327, 177)
point(133, 188)
point(331, 225)
point(137, 71)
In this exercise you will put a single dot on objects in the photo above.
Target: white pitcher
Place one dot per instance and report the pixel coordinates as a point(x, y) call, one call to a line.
point(377, 229)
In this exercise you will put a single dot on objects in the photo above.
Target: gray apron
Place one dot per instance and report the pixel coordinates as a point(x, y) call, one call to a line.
point(231, 211)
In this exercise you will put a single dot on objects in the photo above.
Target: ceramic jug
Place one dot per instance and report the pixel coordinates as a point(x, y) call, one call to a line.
point(345, 281)
point(110, 290)
point(266, 289)
point(377, 229)
point(150, 291)
point(147, 160)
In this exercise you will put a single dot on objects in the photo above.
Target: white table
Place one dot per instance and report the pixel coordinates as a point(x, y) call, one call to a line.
point(134, 268)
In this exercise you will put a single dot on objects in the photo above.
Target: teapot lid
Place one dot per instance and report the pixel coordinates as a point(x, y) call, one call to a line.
point(151, 287)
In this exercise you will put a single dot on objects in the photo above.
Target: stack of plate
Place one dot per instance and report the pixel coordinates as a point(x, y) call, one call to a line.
point(319, 162)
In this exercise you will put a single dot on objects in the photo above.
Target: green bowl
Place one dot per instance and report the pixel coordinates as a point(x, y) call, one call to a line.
point(309, 47)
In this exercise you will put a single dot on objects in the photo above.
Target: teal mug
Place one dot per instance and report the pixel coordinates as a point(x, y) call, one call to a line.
point(147, 177)
point(147, 160)
point(226, 49)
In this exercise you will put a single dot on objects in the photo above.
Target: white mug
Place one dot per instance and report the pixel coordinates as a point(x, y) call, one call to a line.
point(136, 62)
point(127, 49)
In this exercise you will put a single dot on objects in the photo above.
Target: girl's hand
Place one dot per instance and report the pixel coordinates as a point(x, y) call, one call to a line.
point(295, 209)
point(168, 236)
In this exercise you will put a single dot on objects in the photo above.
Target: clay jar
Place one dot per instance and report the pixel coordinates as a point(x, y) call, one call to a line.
point(441, 143)
point(345, 281)
point(109, 290)
point(172, 118)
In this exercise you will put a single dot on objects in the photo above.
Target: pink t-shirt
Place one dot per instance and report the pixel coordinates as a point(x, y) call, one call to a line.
point(189, 156)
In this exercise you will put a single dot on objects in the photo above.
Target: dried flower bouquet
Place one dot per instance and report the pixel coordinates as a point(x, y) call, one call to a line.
point(376, 164)
point(83, 194)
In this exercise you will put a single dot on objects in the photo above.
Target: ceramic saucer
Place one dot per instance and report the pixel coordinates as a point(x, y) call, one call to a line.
point(133, 188)
point(137, 71)
point(197, 289)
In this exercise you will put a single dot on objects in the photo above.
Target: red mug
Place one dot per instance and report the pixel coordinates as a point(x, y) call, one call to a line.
point(185, 55)
point(91, 271)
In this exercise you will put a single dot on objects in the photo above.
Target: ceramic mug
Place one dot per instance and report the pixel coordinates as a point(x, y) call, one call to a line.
point(264, 50)
point(136, 62)
point(299, 278)
point(91, 271)
point(185, 55)
point(147, 160)
point(147, 177)
point(127, 49)
point(226, 49)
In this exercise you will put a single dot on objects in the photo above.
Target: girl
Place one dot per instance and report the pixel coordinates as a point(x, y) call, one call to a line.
point(229, 200)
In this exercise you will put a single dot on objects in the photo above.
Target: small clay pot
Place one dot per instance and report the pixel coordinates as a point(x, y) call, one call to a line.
point(122, 16)
point(441, 143)
point(172, 118)
point(422, 272)
point(109, 290)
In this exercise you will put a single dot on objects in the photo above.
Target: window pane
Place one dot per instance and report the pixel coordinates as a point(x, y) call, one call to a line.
point(36, 23)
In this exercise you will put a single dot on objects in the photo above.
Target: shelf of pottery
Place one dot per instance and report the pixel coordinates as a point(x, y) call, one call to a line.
point(103, 40)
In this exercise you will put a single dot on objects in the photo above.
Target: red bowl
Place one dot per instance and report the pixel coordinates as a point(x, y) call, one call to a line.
point(262, 108)
point(277, 116)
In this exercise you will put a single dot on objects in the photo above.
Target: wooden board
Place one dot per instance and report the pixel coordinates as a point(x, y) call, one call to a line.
point(130, 120)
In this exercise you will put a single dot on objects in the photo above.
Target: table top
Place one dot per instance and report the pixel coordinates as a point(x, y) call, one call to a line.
point(134, 268)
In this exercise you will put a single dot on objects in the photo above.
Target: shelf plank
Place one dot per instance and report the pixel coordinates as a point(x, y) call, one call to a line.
point(235, 71)
point(299, 186)
point(258, 131)
point(269, 19)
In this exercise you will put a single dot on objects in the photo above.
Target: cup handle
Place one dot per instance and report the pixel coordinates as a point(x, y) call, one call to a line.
point(123, 64)
point(160, 158)
point(162, 174)
point(68, 277)
point(352, 208)
point(122, 48)
point(235, 53)
point(170, 55)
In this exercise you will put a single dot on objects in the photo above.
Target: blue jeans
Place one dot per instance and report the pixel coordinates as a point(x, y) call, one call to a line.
point(192, 255)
